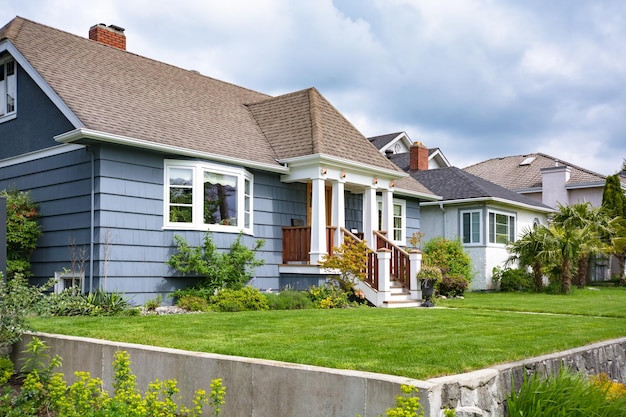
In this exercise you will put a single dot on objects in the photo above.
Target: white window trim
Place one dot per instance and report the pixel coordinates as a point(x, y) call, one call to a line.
point(61, 278)
point(198, 168)
point(505, 213)
point(5, 117)
point(402, 204)
point(480, 226)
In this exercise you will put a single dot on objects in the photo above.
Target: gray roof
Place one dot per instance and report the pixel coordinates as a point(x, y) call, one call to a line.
point(511, 173)
point(383, 140)
point(453, 183)
point(120, 93)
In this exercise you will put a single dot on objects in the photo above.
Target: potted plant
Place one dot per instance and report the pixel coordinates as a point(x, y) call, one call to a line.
point(429, 276)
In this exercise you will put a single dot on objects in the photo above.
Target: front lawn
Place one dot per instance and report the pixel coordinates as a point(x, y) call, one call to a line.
point(417, 343)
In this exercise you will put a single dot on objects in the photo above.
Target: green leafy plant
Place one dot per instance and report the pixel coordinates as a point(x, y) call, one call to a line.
point(513, 279)
point(153, 303)
point(243, 299)
point(6, 369)
point(193, 303)
point(351, 260)
point(328, 296)
point(23, 230)
point(452, 285)
point(430, 273)
point(289, 300)
point(449, 256)
point(407, 405)
point(564, 394)
point(219, 269)
point(18, 299)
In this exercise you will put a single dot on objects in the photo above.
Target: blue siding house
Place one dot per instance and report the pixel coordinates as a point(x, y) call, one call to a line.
point(122, 153)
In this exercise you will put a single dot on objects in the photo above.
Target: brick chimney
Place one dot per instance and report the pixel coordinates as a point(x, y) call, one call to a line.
point(418, 157)
point(109, 35)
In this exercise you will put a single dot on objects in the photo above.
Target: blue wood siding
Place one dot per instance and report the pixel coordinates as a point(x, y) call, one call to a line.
point(38, 120)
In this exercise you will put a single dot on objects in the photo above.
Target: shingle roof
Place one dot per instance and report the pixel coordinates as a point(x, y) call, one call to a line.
point(453, 183)
point(509, 172)
point(383, 140)
point(121, 93)
point(304, 123)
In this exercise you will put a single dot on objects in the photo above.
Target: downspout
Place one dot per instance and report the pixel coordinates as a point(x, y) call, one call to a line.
point(92, 219)
point(445, 219)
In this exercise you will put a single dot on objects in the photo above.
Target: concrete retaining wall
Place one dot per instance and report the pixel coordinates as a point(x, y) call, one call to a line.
point(263, 388)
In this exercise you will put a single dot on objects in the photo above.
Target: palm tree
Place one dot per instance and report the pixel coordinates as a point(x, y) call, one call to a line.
point(525, 251)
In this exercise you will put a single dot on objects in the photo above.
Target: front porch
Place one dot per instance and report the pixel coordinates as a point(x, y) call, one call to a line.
point(390, 271)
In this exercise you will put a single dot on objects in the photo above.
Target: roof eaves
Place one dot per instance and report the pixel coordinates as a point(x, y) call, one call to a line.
point(78, 134)
point(541, 207)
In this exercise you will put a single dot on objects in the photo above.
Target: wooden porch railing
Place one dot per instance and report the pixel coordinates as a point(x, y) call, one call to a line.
point(400, 264)
point(297, 243)
point(371, 276)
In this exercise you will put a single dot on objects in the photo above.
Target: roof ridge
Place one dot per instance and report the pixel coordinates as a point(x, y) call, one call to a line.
point(314, 112)
point(12, 28)
point(571, 165)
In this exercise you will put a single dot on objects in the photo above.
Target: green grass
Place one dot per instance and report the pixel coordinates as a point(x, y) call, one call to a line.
point(416, 343)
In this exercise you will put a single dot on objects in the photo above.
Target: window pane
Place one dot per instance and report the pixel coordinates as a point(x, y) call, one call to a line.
point(220, 199)
point(492, 228)
point(181, 195)
point(511, 229)
point(476, 227)
point(180, 214)
point(466, 228)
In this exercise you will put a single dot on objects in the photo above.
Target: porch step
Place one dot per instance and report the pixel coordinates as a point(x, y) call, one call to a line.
point(401, 303)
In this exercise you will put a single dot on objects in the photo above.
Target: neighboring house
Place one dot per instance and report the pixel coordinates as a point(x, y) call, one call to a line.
point(400, 142)
point(552, 181)
point(483, 215)
point(122, 153)
point(543, 178)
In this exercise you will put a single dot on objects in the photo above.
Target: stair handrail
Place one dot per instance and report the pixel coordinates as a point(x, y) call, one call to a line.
point(400, 263)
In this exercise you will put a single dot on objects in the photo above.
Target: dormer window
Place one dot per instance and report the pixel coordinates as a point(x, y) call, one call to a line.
point(8, 89)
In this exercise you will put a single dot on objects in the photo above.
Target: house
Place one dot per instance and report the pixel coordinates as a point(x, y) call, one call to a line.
point(483, 215)
point(554, 182)
point(122, 153)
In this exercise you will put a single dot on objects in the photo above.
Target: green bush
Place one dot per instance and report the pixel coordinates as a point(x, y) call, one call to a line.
point(232, 269)
point(6, 370)
point(244, 299)
point(193, 303)
point(452, 285)
point(328, 296)
point(565, 394)
point(289, 300)
point(449, 256)
point(23, 230)
point(515, 279)
point(153, 303)
point(201, 292)
point(71, 302)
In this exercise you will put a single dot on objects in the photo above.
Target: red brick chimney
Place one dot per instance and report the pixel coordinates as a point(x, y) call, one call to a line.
point(418, 157)
point(109, 35)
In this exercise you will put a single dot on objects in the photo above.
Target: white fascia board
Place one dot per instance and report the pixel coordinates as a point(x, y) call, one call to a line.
point(322, 160)
point(44, 153)
point(491, 199)
point(438, 154)
point(78, 134)
point(423, 196)
point(6, 45)
point(402, 137)
point(595, 184)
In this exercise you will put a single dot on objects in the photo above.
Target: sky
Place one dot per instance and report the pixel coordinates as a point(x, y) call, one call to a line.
point(478, 79)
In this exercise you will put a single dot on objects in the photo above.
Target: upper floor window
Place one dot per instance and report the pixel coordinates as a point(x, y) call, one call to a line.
point(398, 234)
point(207, 197)
point(8, 89)
point(501, 228)
point(471, 227)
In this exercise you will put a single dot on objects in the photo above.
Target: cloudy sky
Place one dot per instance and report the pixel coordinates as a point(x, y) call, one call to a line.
point(477, 78)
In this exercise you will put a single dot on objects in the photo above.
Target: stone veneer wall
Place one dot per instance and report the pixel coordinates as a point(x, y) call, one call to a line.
point(261, 388)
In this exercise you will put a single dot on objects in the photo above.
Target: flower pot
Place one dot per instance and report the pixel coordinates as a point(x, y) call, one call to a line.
point(428, 288)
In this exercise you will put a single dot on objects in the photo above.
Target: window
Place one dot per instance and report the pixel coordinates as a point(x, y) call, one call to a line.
point(471, 228)
point(501, 228)
point(8, 89)
point(398, 234)
point(208, 197)
point(67, 279)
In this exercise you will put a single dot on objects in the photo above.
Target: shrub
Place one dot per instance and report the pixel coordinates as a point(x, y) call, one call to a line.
point(110, 303)
point(510, 279)
point(244, 299)
point(351, 261)
point(23, 230)
point(289, 300)
point(328, 296)
point(407, 404)
point(153, 303)
point(6, 370)
point(193, 303)
point(232, 269)
point(450, 256)
point(70, 302)
point(452, 285)
point(17, 301)
point(564, 394)
point(201, 292)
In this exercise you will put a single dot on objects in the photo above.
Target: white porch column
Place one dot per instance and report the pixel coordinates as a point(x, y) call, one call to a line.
point(415, 264)
point(384, 276)
point(318, 221)
point(339, 211)
point(387, 213)
point(370, 216)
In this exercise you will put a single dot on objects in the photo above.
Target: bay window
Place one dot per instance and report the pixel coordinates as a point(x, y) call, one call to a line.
point(207, 196)
point(501, 228)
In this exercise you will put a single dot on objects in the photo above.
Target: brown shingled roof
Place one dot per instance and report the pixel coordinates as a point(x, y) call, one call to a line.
point(304, 122)
point(510, 172)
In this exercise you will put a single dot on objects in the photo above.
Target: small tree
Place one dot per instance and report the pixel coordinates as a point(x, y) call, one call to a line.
point(449, 256)
point(23, 230)
point(614, 204)
point(526, 252)
point(351, 260)
point(232, 269)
